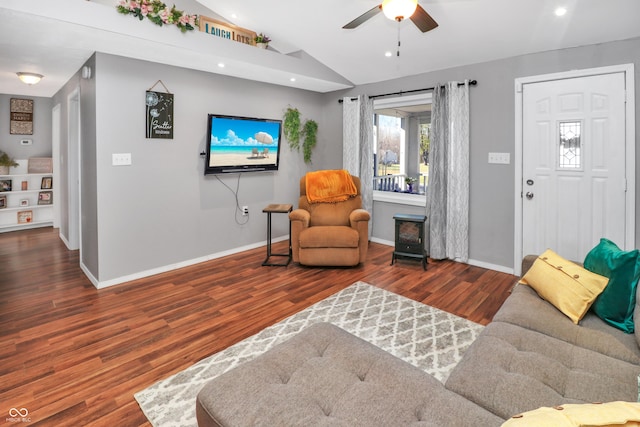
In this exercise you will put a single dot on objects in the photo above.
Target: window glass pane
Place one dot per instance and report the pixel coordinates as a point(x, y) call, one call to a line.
point(570, 145)
point(401, 146)
point(388, 150)
point(425, 141)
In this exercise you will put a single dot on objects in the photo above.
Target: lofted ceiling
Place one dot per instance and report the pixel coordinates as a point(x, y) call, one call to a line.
point(309, 44)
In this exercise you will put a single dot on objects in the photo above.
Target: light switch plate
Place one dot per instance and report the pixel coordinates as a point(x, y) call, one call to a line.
point(121, 159)
point(26, 141)
point(500, 158)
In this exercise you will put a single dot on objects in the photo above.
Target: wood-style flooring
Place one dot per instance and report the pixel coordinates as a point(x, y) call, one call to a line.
point(74, 355)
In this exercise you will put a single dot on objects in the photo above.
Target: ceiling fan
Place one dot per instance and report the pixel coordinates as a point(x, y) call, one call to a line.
point(398, 10)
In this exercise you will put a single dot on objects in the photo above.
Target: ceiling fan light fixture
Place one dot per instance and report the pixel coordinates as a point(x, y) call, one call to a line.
point(397, 10)
point(29, 78)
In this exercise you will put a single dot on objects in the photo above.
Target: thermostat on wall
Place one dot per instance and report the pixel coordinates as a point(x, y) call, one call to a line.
point(26, 141)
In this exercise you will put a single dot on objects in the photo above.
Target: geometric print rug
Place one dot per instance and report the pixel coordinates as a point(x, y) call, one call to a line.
point(426, 337)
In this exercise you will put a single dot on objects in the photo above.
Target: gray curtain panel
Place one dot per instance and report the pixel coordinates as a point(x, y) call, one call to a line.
point(357, 145)
point(447, 206)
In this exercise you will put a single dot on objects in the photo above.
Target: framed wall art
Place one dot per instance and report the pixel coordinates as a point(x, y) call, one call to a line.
point(47, 183)
point(159, 113)
point(45, 197)
point(21, 116)
point(5, 185)
point(25, 217)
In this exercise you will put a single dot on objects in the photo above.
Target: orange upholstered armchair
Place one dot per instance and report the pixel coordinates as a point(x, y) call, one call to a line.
point(329, 233)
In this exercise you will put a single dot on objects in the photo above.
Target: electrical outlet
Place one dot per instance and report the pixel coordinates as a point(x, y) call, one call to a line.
point(245, 210)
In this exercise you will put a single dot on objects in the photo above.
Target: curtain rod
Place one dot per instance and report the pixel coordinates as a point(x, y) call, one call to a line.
point(402, 92)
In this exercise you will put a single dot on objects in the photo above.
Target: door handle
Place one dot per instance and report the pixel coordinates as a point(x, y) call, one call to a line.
point(529, 195)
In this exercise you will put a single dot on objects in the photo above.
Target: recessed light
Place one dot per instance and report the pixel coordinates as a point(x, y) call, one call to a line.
point(234, 16)
point(388, 54)
point(561, 11)
point(292, 79)
point(220, 64)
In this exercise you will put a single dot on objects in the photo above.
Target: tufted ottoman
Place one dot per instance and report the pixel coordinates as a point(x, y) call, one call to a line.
point(324, 376)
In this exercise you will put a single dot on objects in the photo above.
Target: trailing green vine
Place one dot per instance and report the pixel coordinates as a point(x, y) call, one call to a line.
point(294, 131)
point(310, 131)
point(291, 127)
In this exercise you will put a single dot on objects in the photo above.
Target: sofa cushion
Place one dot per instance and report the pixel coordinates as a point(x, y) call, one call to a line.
point(525, 308)
point(616, 303)
point(325, 376)
point(569, 287)
point(623, 414)
point(329, 237)
point(510, 370)
point(636, 316)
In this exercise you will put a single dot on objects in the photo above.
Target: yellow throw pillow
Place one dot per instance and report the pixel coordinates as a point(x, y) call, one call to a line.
point(592, 414)
point(569, 287)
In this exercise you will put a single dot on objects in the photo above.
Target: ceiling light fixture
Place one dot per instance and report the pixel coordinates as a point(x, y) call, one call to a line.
point(29, 78)
point(221, 64)
point(397, 10)
point(388, 54)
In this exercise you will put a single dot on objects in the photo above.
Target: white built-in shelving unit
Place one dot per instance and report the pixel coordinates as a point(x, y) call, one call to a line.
point(30, 192)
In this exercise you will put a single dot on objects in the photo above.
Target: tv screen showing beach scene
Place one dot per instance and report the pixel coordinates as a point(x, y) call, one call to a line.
point(242, 144)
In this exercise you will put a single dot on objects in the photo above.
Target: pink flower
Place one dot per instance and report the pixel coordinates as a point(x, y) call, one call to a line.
point(164, 15)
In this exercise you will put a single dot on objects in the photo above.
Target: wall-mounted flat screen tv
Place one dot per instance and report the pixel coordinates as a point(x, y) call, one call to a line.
point(242, 144)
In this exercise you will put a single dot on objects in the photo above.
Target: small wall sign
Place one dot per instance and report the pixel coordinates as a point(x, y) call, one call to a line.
point(227, 31)
point(21, 116)
point(159, 107)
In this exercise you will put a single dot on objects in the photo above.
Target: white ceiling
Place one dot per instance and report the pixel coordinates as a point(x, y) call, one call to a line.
point(55, 38)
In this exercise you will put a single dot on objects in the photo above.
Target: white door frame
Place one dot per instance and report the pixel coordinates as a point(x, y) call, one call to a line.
point(74, 171)
point(630, 139)
point(55, 152)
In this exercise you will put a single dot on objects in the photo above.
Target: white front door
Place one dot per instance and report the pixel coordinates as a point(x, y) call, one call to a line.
point(574, 164)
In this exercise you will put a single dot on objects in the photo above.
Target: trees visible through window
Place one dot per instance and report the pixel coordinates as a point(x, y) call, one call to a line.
point(401, 144)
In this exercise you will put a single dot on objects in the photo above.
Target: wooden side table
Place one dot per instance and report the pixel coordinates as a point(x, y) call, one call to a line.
point(410, 237)
point(277, 208)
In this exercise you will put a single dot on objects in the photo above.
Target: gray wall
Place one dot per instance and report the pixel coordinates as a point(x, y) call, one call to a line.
point(492, 106)
point(41, 146)
point(161, 210)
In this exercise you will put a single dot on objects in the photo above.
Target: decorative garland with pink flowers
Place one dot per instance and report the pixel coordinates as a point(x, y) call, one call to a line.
point(158, 13)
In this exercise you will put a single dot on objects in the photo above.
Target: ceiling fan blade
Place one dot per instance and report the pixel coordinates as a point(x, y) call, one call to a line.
point(364, 17)
point(423, 20)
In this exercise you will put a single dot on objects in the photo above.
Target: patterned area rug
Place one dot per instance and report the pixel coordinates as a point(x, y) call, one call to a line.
point(426, 337)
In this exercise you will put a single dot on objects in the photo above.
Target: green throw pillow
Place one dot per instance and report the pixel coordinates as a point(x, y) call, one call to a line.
point(616, 303)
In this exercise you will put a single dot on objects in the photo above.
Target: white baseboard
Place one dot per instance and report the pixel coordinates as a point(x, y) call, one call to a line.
point(473, 262)
point(495, 267)
point(383, 242)
point(112, 282)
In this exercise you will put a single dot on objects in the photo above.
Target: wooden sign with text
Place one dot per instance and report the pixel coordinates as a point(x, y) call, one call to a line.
point(21, 120)
point(227, 31)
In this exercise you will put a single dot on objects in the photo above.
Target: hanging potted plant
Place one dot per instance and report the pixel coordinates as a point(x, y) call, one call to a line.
point(291, 127)
point(6, 162)
point(310, 132)
point(262, 41)
point(294, 130)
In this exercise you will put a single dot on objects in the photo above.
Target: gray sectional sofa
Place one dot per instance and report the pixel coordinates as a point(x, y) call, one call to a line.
point(531, 355)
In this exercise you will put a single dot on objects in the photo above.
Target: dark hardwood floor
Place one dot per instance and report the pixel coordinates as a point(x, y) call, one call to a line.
point(74, 355)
